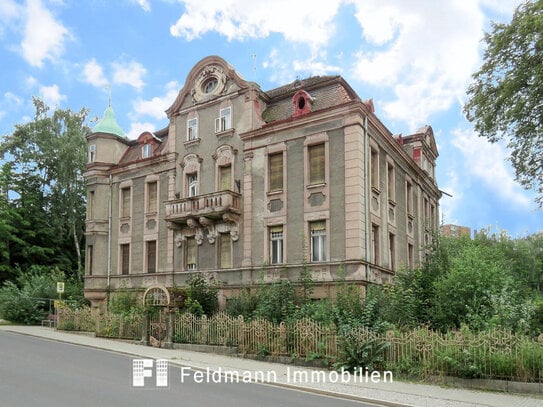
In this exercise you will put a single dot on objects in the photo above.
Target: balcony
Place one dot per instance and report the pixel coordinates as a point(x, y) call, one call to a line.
point(211, 206)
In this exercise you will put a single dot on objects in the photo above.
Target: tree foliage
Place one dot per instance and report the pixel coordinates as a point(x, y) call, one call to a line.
point(505, 99)
point(42, 203)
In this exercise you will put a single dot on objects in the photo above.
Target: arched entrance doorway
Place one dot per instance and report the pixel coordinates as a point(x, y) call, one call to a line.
point(156, 300)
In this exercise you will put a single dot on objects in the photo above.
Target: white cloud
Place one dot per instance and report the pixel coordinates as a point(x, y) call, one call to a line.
point(137, 128)
point(298, 21)
point(144, 4)
point(424, 51)
point(12, 99)
point(129, 73)
point(51, 95)
point(156, 106)
point(487, 162)
point(94, 74)
point(44, 36)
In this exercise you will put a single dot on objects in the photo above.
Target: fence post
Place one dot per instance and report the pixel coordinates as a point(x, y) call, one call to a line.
point(145, 329)
point(169, 325)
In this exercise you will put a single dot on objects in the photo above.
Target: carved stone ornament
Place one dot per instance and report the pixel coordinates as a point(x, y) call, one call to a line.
point(207, 223)
point(211, 82)
point(179, 239)
point(233, 221)
point(198, 235)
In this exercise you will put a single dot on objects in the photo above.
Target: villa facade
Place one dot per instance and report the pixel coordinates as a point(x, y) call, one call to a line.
point(248, 186)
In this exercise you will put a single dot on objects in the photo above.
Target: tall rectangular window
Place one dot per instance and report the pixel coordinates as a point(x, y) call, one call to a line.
point(374, 168)
point(316, 164)
point(409, 197)
point(225, 177)
point(190, 253)
point(125, 258)
point(90, 259)
point(410, 256)
point(391, 182)
point(275, 171)
point(151, 256)
point(392, 251)
point(92, 153)
point(125, 202)
point(318, 240)
point(90, 205)
point(224, 121)
point(375, 255)
point(192, 184)
point(192, 129)
point(225, 250)
point(152, 196)
point(276, 245)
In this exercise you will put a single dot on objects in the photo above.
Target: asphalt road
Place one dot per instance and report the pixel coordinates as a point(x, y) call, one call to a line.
point(39, 372)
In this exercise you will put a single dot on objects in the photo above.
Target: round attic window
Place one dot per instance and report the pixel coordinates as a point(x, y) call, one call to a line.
point(209, 85)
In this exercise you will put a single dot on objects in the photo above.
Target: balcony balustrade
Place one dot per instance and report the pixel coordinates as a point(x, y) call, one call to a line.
point(212, 206)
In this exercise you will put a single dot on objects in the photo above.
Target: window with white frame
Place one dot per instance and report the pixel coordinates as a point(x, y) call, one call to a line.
point(192, 184)
point(146, 151)
point(318, 240)
point(192, 129)
point(224, 121)
point(276, 244)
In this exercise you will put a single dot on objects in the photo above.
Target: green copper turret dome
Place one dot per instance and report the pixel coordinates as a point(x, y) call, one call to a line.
point(108, 124)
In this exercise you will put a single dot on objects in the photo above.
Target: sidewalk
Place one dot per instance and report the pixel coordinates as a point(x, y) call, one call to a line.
point(388, 394)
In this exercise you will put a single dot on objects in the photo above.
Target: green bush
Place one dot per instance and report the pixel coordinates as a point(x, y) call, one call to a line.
point(199, 290)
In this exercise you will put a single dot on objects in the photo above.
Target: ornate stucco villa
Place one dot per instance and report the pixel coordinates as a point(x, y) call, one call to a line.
point(246, 185)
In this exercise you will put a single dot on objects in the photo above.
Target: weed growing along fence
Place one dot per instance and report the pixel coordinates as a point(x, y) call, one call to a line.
point(495, 354)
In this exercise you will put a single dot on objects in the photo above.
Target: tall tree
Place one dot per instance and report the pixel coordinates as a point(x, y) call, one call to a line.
point(506, 97)
point(47, 158)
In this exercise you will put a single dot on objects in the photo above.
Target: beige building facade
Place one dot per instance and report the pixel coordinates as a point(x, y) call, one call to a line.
point(247, 186)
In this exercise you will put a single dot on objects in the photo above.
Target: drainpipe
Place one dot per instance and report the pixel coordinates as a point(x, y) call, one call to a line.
point(109, 232)
point(367, 196)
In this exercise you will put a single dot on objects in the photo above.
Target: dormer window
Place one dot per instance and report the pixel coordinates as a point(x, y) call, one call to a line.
point(302, 103)
point(146, 151)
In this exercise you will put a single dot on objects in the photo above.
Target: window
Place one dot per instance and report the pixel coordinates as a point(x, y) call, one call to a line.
point(146, 151)
point(375, 244)
point(125, 259)
point(190, 253)
point(192, 129)
point(409, 197)
point(316, 164)
point(192, 184)
point(225, 177)
point(210, 85)
point(276, 245)
point(318, 240)
point(392, 251)
point(410, 256)
point(151, 256)
point(224, 121)
point(92, 153)
point(125, 202)
point(391, 182)
point(225, 251)
point(275, 172)
point(152, 196)
point(374, 169)
point(90, 205)
point(89, 255)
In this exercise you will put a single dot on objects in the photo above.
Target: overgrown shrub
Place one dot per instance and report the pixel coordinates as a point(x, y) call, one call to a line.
point(200, 291)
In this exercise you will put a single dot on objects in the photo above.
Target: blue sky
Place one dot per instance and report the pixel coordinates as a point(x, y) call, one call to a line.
point(413, 57)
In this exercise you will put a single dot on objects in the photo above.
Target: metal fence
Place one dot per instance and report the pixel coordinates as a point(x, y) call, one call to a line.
point(495, 354)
